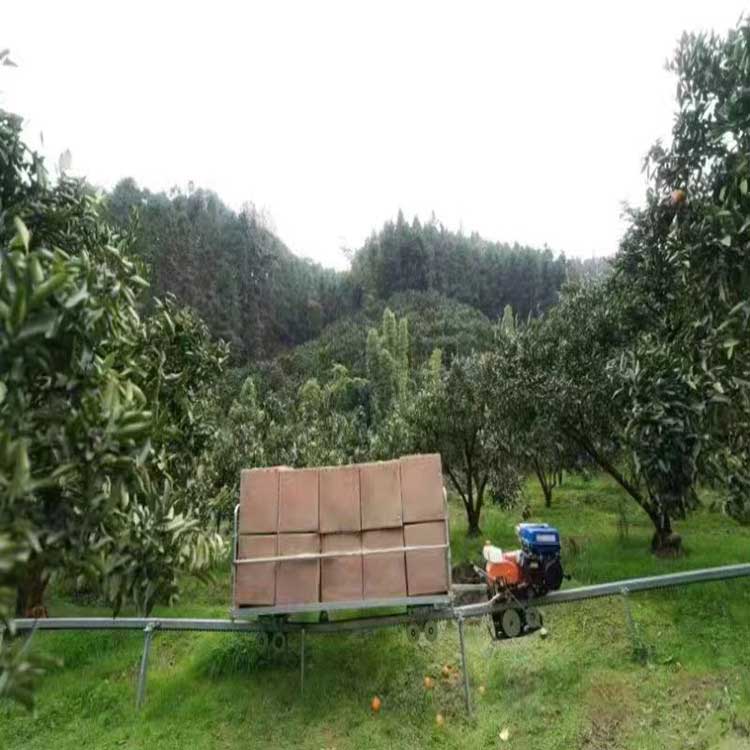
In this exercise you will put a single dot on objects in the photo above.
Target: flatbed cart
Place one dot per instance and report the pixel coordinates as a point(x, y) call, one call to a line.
point(269, 617)
point(274, 623)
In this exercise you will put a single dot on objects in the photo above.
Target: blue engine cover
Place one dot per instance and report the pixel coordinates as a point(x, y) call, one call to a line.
point(539, 539)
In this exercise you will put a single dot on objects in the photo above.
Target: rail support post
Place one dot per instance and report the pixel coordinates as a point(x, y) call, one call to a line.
point(140, 693)
point(625, 594)
point(302, 661)
point(464, 665)
point(640, 651)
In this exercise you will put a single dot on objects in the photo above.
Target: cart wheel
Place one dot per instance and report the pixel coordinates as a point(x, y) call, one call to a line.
point(533, 618)
point(430, 631)
point(264, 640)
point(511, 623)
point(413, 631)
point(278, 642)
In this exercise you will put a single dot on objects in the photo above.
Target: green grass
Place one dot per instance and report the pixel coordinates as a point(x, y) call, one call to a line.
point(580, 687)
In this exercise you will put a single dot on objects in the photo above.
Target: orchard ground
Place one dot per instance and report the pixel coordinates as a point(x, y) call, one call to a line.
point(682, 682)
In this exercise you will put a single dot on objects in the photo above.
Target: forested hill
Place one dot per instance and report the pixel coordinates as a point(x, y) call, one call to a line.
point(263, 299)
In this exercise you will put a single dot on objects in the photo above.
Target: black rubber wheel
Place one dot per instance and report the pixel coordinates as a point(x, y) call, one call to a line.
point(413, 632)
point(278, 642)
point(431, 631)
point(511, 623)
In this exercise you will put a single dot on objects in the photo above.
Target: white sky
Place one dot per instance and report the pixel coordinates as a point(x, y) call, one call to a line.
point(525, 122)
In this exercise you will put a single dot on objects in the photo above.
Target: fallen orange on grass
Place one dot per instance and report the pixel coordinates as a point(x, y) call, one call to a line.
point(482, 689)
point(375, 704)
point(440, 720)
point(446, 671)
point(429, 683)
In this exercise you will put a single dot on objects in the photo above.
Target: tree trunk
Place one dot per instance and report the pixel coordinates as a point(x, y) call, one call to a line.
point(547, 496)
point(30, 593)
point(544, 484)
point(473, 516)
point(664, 543)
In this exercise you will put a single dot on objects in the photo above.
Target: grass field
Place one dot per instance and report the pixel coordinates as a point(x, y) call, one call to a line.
point(581, 687)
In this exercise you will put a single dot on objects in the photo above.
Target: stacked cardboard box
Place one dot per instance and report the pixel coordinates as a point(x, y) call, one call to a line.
point(346, 509)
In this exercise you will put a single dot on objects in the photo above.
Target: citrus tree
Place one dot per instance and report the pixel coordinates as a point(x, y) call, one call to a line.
point(451, 415)
point(82, 483)
point(683, 274)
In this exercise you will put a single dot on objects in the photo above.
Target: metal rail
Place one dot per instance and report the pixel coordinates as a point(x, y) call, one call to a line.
point(150, 625)
point(614, 588)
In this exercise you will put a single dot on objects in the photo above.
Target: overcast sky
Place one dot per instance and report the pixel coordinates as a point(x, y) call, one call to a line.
point(523, 121)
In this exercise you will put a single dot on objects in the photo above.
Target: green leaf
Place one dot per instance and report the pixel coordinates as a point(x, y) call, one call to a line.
point(743, 187)
point(21, 471)
point(3, 391)
point(50, 286)
point(726, 240)
point(23, 234)
point(77, 297)
point(40, 324)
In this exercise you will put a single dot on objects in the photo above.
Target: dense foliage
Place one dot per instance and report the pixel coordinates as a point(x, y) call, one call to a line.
point(683, 273)
point(95, 403)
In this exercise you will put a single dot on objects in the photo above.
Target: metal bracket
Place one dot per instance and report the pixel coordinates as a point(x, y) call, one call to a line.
point(464, 665)
point(140, 692)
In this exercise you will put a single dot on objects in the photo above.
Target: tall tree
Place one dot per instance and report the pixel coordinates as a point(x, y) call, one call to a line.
point(683, 272)
point(451, 416)
point(75, 426)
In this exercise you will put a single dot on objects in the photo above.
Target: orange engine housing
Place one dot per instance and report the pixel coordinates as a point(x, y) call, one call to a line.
point(508, 571)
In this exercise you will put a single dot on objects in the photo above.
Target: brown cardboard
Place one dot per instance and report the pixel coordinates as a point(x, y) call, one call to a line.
point(426, 571)
point(380, 493)
point(341, 577)
point(384, 574)
point(422, 488)
point(255, 583)
point(298, 500)
point(259, 501)
point(298, 582)
point(339, 499)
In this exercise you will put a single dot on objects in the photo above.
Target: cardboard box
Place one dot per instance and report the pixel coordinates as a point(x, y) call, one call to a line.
point(380, 493)
point(426, 571)
point(384, 574)
point(298, 500)
point(339, 500)
point(255, 583)
point(259, 501)
point(422, 488)
point(341, 577)
point(298, 582)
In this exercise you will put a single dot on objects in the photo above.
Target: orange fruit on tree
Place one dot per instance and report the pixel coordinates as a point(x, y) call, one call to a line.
point(375, 704)
point(678, 196)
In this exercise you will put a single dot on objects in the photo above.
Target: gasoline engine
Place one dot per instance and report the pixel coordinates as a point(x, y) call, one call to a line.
point(522, 575)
